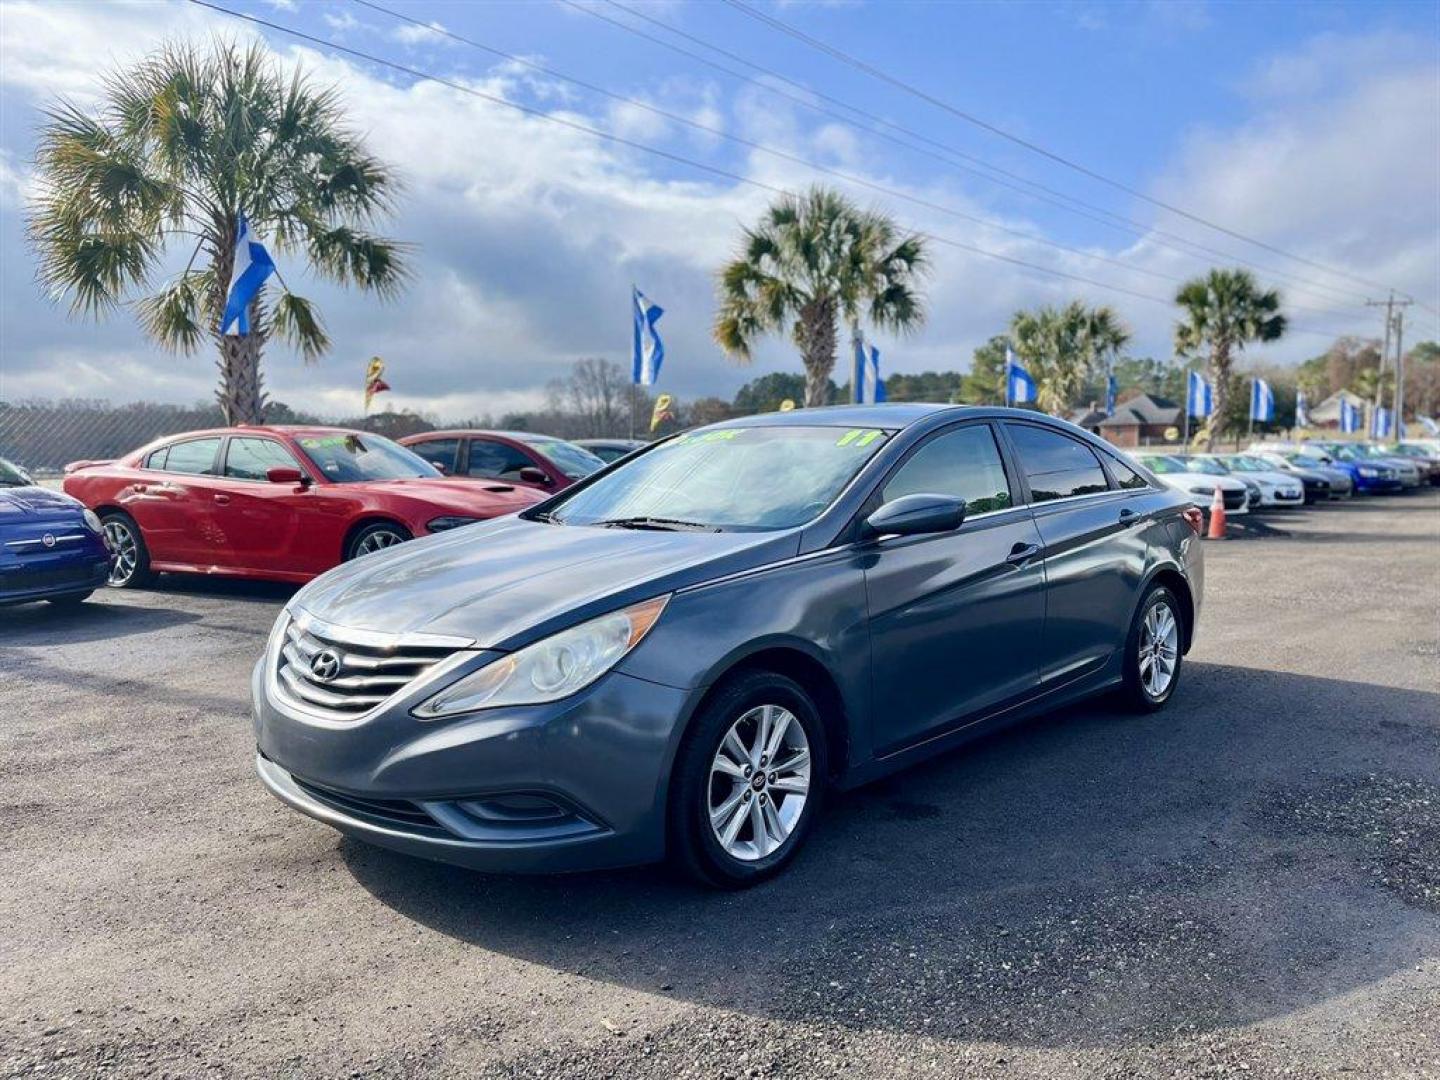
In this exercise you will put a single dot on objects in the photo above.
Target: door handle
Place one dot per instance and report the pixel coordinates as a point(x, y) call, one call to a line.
point(223, 500)
point(140, 489)
point(1021, 554)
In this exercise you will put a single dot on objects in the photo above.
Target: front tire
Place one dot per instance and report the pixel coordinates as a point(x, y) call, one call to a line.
point(374, 537)
point(131, 568)
point(749, 779)
point(1153, 651)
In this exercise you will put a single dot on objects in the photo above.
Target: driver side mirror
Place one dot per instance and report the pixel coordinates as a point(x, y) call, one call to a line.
point(284, 474)
point(914, 515)
point(531, 475)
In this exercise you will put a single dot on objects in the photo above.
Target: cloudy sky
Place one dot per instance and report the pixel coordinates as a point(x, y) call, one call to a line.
point(1313, 128)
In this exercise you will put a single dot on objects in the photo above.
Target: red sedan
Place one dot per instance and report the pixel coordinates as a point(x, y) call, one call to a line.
point(542, 462)
point(283, 503)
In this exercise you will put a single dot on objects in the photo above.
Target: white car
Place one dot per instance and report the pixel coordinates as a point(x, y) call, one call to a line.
point(1277, 488)
point(1192, 476)
point(1302, 465)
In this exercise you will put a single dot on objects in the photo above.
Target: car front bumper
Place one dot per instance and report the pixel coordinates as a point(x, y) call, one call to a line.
point(579, 784)
point(22, 582)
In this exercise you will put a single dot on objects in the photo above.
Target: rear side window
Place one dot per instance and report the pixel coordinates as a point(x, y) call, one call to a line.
point(156, 460)
point(439, 452)
point(497, 460)
point(1056, 466)
point(251, 459)
point(964, 463)
point(1125, 476)
point(196, 457)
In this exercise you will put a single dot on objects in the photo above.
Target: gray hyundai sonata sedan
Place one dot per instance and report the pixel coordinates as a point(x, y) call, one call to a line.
point(682, 653)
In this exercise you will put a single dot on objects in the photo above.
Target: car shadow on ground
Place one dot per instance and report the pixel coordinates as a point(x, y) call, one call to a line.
point(45, 624)
point(1088, 878)
point(226, 588)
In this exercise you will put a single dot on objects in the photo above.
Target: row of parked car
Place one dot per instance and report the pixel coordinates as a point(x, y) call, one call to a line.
point(288, 503)
point(274, 503)
point(1274, 474)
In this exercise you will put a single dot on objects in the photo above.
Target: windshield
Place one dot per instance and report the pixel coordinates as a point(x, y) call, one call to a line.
point(574, 461)
point(1307, 460)
point(1204, 465)
point(740, 478)
point(350, 457)
point(13, 475)
point(1240, 463)
point(1162, 464)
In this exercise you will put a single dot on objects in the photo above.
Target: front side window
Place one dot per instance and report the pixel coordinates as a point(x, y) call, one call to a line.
point(252, 459)
point(439, 452)
point(574, 461)
point(497, 461)
point(964, 463)
point(739, 478)
point(1056, 466)
point(196, 457)
point(1127, 477)
point(353, 457)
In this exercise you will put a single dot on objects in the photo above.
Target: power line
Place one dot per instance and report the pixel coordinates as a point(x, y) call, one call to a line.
point(783, 154)
point(1036, 148)
point(418, 73)
point(941, 151)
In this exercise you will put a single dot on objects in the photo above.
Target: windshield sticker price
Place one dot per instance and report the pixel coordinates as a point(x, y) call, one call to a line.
point(859, 437)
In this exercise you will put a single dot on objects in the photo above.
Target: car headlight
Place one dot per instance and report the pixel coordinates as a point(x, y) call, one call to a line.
point(92, 522)
point(1368, 471)
point(449, 521)
point(550, 669)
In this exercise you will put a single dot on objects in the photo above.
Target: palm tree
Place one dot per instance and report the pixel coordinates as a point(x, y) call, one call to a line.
point(1061, 347)
point(814, 259)
point(185, 142)
point(1224, 311)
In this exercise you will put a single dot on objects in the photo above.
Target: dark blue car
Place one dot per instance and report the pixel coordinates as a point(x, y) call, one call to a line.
point(51, 547)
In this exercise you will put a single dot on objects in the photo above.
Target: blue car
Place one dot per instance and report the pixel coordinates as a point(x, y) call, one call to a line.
point(51, 547)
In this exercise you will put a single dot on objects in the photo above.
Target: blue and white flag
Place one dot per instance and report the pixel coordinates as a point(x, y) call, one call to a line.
point(1019, 386)
point(1429, 425)
point(252, 266)
point(1302, 410)
point(1380, 423)
point(1262, 401)
point(1199, 397)
point(1349, 417)
point(649, 351)
point(1110, 395)
point(867, 366)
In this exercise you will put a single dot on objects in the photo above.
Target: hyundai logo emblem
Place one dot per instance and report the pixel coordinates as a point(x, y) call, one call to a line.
point(325, 665)
point(48, 540)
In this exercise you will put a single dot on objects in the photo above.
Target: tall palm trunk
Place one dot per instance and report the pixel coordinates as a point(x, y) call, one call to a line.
point(815, 335)
point(241, 394)
point(1220, 381)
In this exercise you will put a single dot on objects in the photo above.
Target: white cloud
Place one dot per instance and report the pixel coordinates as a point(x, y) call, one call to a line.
point(433, 33)
point(529, 234)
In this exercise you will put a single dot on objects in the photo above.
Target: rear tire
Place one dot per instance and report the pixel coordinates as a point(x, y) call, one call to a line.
point(1153, 651)
point(748, 782)
point(131, 568)
point(374, 537)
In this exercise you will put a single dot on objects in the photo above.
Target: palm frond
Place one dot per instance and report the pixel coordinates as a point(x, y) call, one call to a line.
point(176, 316)
point(296, 321)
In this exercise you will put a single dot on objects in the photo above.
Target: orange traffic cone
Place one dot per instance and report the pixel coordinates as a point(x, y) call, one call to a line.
point(1217, 516)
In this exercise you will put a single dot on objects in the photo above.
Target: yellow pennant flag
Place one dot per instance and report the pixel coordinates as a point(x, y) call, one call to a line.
point(374, 383)
point(787, 405)
point(662, 411)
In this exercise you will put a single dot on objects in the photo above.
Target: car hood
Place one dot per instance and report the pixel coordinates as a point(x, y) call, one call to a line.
point(1185, 481)
point(31, 502)
point(502, 583)
point(467, 497)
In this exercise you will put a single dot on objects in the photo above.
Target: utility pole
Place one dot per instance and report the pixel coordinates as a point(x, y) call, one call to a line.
point(1400, 369)
point(1389, 306)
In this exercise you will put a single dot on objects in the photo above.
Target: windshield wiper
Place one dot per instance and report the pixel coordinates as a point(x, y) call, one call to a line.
point(660, 524)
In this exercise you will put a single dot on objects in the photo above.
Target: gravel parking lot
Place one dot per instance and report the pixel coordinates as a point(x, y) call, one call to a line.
point(1247, 883)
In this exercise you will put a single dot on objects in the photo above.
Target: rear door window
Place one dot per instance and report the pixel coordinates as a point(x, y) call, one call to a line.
point(964, 463)
point(196, 457)
point(1055, 465)
point(1125, 476)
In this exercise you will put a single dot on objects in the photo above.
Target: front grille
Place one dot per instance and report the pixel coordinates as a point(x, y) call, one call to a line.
point(83, 574)
point(330, 670)
point(1234, 500)
point(399, 813)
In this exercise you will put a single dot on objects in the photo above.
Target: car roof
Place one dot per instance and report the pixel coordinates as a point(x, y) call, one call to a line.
point(891, 417)
point(292, 430)
point(456, 433)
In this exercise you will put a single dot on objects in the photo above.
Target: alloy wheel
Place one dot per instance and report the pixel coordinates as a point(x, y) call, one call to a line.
point(127, 552)
point(759, 781)
point(377, 540)
point(1159, 649)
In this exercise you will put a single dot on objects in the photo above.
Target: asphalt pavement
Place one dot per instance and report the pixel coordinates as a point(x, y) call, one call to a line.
point(1246, 884)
